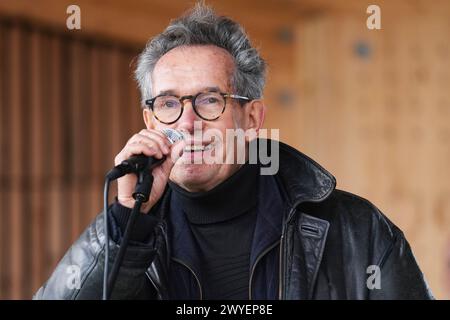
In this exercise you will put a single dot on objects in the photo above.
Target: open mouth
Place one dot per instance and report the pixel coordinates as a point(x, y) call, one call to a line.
point(198, 147)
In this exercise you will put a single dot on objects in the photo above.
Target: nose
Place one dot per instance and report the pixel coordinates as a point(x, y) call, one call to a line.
point(188, 118)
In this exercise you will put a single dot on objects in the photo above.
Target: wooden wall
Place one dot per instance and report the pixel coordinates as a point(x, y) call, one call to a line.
point(371, 106)
point(374, 108)
point(66, 106)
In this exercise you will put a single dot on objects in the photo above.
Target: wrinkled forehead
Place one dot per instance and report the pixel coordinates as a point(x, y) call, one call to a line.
point(184, 70)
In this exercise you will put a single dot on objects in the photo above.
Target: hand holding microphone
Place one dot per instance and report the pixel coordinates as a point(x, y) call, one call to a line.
point(159, 150)
point(150, 150)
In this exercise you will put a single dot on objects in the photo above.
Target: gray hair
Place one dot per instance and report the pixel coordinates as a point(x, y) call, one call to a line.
point(201, 26)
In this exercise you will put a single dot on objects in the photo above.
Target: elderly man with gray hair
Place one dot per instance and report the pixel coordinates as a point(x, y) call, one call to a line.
point(221, 229)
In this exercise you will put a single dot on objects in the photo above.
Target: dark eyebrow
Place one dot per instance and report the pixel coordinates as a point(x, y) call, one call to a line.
point(173, 93)
point(166, 93)
point(212, 89)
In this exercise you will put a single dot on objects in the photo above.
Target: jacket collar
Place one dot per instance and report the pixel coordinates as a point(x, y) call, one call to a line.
point(300, 178)
point(304, 179)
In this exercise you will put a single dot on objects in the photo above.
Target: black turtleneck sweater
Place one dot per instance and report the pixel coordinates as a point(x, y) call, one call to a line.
point(222, 221)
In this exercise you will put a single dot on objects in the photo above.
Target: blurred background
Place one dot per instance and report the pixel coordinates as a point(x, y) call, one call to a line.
point(371, 106)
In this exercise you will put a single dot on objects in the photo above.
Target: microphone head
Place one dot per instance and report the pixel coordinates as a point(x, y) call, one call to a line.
point(173, 135)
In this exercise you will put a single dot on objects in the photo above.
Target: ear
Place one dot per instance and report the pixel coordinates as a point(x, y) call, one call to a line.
point(148, 118)
point(255, 112)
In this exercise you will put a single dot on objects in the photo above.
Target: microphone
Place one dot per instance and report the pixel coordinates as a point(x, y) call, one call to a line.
point(136, 164)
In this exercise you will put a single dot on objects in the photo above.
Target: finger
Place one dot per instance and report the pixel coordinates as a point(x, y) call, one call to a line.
point(137, 148)
point(151, 149)
point(150, 140)
point(158, 132)
point(160, 137)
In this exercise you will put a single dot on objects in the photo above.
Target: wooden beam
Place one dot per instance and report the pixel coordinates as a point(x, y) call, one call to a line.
point(135, 21)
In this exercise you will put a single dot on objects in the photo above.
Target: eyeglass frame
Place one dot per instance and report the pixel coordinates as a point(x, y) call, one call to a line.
point(150, 103)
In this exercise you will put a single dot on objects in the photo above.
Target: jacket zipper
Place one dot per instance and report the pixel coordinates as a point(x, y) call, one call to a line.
point(193, 273)
point(281, 285)
point(281, 266)
point(254, 267)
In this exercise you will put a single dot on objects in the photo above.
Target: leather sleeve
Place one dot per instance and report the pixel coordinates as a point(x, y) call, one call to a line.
point(79, 275)
point(400, 275)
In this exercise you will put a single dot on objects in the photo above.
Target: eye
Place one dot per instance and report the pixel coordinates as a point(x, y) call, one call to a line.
point(171, 104)
point(208, 99)
point(212, 100)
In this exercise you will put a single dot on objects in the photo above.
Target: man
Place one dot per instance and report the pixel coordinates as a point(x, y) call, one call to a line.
point(222, 230)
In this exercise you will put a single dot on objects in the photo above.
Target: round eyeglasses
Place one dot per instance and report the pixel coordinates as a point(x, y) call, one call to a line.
point(207, 105)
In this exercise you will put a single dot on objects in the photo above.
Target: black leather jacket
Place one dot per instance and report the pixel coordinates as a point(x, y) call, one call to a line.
point(331, 245)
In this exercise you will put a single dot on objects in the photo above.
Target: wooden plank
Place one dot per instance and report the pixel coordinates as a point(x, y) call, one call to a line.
point(95, 145)
point(57, 228)
point(135, 114)
point(129, 105)
point(107, 156)
point(4, 121)
point(16, 241)
point(76, 139)
point(85, 128)
point(114, 105)
point(37, 161)
point(2, 117)
point(46, 169)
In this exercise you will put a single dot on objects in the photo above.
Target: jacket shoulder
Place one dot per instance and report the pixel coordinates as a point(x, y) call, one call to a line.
point(359, 237)
point(357, 221)
point(355, 210)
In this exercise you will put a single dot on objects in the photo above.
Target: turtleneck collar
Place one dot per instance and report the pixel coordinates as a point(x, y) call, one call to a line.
point(229, 199)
